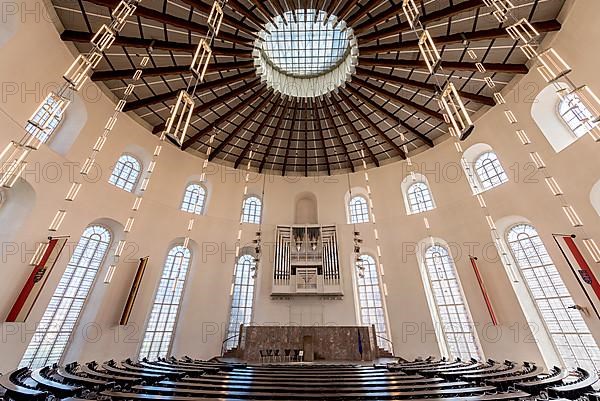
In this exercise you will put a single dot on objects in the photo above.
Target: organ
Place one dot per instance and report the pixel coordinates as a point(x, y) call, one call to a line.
point(306, 261)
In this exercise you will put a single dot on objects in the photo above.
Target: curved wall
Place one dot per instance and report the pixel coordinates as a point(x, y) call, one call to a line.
point(204, 313)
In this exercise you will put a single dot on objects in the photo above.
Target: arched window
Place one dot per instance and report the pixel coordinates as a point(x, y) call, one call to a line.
point(49, 114)
point(370, 300)
point(451, 311)
point(575, 114)
point(570, 334)
point(252, 210)
point(126, 173)
point(419, 198)
point(161, 324)
point(242, 298)
point(359, 210)
point(52, 334)
point(490, 171)
point(193, 199)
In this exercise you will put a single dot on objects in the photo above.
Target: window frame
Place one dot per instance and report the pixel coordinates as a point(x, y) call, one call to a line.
point(547, 265)
point(248, 215)
point(231, 342)
point(418, 203)
point(490, 181)
point(56, 303)
point(450, 273)
point(562, 113)
point(195, 206)
point(133, 183)
point(380, 291)
point(363, 215)
point(42, 136)
point(157, 293)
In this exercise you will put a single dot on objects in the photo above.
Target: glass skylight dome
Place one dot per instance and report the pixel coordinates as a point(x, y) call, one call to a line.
point(306, 53)
point(305, 43)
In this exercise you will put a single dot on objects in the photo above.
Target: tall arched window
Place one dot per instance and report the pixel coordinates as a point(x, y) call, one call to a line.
point(489, 170)
point(49, 114)
point(359, 210)
point(126, 173)
point(451, 311)
point(370, 300)
point(242, 298)
point(54, 330)
point(575, 114)
point(252, 210)
point(193, 199)
point(570, 334)
point(161, 324)
point(419, 198)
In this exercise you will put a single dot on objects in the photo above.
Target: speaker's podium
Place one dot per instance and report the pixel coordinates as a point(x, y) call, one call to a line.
point(307, 343)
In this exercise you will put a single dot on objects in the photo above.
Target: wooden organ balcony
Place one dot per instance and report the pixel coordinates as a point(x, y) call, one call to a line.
point(306, 261)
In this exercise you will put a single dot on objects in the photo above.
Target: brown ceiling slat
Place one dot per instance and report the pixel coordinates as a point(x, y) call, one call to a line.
point(163, 97)
point(378, 109)
point(486, 100)
point(166, 71)
point(223, 119)
point(373, 126)
point(447, 65)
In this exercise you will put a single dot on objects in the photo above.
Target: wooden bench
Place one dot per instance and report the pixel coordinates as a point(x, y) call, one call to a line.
point(555, 377)
point(88, 382)
point(575, 389)
point(42, 377)
point(12, 383)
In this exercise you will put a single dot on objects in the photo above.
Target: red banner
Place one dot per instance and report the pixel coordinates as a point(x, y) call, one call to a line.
point(585, 271)
point(36, 281)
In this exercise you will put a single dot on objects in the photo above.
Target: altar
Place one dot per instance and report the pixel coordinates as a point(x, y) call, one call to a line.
point(317, 343)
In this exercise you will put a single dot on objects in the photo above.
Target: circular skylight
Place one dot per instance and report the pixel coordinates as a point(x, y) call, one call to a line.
point(305, 43)
point(306, 53)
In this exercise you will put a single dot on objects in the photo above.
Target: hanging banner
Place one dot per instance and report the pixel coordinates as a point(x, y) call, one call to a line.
point(483, 290)
point(36, 281)
point(135, 286)
point(579, 266)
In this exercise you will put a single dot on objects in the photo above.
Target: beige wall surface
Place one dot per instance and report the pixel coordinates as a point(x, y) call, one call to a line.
point(33, 58)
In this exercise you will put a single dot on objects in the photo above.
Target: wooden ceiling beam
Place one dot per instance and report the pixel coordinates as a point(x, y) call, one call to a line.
point(361, 114)
point(243, 10)
point(277, 130)
point(360, 71)
point(447, 65)
point(206, 85)
point(273, 109)
point(205, 9)
point(289, 141)
point(264, 11)
point(346, 8)
point(320, 129)
point(357, 16)
point(223, 119)
point(487, 34)
point(378, 109)
point(167, 71)
point(167, 19)
point(346, 119)
point(201, 108)
point(238, 128)
point(398, 99)
point(333, 128)
point(449, 12)
point(125, 41)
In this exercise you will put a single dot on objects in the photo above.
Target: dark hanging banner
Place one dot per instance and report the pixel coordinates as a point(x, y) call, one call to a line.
point(135, 286)
point(36, 281)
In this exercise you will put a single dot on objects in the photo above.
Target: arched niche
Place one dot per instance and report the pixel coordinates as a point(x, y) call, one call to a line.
point(306, 211)
point(595, 197)
point(73, 121)
point(15, 207)
point(544, 112)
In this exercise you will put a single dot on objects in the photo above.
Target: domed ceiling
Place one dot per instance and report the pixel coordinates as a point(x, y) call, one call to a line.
point(301, 86)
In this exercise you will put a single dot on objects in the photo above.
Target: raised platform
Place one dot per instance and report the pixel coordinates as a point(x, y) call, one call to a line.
point(317, 343)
